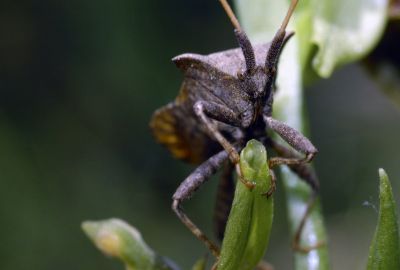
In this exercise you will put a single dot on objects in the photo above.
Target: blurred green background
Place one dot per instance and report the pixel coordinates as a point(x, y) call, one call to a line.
point(79, 81)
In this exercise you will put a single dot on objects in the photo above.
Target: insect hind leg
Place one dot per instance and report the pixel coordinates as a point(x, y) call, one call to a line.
point(297, 235)
point(307, 174)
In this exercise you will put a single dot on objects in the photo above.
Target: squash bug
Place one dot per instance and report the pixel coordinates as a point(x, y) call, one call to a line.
point(224, 101)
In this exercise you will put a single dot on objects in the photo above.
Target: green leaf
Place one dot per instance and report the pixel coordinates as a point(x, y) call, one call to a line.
point(345, 30)
point(384, 253)
point(116, 238)
point(250, 220)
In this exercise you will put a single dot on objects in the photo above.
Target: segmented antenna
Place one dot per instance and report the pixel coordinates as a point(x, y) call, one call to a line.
point(288, 15)
point(278, 40)
point(230, 14)
point(241, 37)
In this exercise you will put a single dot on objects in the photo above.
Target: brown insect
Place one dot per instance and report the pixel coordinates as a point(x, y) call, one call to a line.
point(225, 100)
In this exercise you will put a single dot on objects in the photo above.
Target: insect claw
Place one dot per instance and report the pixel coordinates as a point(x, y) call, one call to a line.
point(270, 191)
point(249, 184)
point(272, 187)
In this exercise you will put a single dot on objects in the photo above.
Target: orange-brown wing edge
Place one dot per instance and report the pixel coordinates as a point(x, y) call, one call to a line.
point(167, 130)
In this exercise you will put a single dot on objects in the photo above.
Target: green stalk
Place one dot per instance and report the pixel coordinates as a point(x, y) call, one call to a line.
point(289, 109)
point(261, 19)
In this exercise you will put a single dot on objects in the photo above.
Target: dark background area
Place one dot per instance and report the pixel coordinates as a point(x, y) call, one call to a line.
point(79, 81)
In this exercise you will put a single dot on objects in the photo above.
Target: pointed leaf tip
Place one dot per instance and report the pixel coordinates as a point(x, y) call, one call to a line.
point(382, 174)
point(384, 251)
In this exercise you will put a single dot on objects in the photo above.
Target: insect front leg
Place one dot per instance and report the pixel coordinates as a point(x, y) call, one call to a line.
point(303, 170)
point(186, 189)
point(295, 139)
point(206, 110)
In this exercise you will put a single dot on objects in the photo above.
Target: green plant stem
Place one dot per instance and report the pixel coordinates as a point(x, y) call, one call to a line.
point(289, 109)
point(256, 19)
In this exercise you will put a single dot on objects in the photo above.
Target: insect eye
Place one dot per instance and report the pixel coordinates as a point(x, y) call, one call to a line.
point(240, 76)
point(270, 71)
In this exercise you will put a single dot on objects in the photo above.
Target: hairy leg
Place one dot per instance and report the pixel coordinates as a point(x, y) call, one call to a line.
point(295, 139)
point(186, 189)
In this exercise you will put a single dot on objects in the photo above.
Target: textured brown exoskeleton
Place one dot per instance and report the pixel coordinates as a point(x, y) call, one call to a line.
point(225, 100)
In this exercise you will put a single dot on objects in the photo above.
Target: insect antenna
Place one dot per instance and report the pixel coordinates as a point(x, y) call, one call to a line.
point(231, 15)
point(288, 15)
point(279, 40)
point(241, 37)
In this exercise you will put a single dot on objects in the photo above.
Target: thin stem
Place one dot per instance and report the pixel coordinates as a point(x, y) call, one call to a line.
point(288, 107)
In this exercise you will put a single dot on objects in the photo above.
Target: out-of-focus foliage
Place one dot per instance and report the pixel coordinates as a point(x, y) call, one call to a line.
point(384, 61)
point(116, 238)
point(344, 31)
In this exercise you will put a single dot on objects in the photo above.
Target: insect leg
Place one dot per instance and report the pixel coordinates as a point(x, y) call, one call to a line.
point(296, 240)
point(306, 173)
point(186, 189)
point(303, 170)
point(295, 139)
point(272, 189)
point(205, 111)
